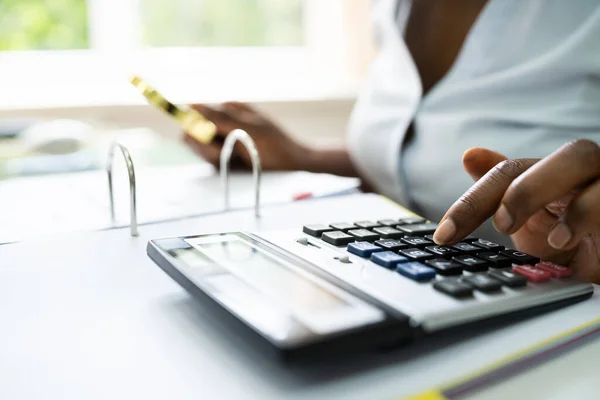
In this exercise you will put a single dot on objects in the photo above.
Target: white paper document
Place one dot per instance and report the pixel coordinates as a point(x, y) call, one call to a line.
point(37, 206)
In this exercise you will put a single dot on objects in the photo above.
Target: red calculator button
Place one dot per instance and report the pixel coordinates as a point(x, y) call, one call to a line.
point(557, 271)
point(532, 273)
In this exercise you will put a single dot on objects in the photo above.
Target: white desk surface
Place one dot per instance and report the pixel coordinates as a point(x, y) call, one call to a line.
point(89, 316)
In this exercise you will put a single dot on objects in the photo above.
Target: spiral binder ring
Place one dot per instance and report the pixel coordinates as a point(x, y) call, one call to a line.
point(133, 224)
point(230, 141)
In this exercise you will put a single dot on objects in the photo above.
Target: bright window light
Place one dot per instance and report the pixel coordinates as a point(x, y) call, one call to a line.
point(80, 52)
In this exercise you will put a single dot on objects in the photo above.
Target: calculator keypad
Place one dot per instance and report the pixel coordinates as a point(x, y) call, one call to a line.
point(406, 247)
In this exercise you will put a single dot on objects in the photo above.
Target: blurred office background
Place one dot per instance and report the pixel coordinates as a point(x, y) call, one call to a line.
point(301, 61)
point(65, 96)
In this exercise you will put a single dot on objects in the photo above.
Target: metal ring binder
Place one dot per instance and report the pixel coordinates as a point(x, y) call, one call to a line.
point(230, 141)
point(132, 188)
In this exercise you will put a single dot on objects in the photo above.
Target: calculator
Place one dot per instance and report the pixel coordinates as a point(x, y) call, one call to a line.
point(327, 289)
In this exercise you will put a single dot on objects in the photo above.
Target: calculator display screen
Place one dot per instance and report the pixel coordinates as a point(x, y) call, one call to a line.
point(272, 277)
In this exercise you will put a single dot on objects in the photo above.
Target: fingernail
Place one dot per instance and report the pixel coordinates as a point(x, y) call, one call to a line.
point(502, 220)
point(560, 236)
point(445, 232)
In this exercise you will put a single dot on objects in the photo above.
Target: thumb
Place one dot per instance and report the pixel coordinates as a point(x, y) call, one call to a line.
point(477, 161)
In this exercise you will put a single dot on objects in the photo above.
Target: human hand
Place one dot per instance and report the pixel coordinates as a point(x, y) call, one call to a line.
point(550, 207)
point(277, 150)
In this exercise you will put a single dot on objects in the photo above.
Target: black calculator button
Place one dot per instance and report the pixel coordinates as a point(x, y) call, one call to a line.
point(445, 267)
point(417, 229)
point(316, 230)
point(470, 239)
point(466, 248)
point(416, 241)
point(337, 238)
point(429, 237)
point(509, 278)
point(416, 254)
point(387, 232)
point(482, 282)
point(391, 244)
point(496, 260)
point(453, 287)
point(411, 221)
point(342, 226)
point(520, 257)
point(364, 234)
point(388, 222)
point(367, 224)
point(487, 245)
point(472, 264)
point(443, 251)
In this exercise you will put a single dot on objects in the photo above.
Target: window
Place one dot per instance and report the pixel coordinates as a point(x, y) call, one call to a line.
point(212, 23)
point(80, 52)
point(63, 24)
point(43, 25)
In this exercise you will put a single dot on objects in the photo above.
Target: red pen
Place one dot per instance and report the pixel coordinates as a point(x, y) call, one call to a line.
point(302, 196)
